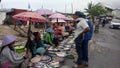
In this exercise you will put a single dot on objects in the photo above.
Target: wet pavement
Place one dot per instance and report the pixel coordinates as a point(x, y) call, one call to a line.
point(104, 50)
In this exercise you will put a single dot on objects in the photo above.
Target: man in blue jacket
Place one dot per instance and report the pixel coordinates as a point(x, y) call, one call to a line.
point(87, 37)
point(81, 28)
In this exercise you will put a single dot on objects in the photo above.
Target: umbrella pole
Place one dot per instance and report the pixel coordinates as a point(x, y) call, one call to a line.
point(57, 21)
point(45, 25)
point(28, 35)
point(29, 29)
point(29, 42)
point(45, 22)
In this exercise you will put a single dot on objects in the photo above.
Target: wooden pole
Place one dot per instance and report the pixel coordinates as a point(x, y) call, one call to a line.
point(28, 35)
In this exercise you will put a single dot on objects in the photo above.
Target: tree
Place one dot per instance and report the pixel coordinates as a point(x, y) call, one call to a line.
point(96, 10)
point(90, 5)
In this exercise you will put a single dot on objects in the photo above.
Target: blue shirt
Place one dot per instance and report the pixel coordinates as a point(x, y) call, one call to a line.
point(88, 35)
point(37, 45)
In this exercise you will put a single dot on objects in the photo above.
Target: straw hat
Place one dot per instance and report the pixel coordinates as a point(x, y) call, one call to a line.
point(8, 39)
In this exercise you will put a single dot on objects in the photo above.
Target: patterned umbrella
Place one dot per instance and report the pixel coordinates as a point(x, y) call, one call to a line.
point(44, 11)
point(29, 16)
point(57, 16)
point(59, 20)
point(32, 16)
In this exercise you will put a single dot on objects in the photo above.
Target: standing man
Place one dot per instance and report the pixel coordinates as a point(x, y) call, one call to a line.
point(87, 37)
point(104, 22)
point(97, 22)
point(81, 28)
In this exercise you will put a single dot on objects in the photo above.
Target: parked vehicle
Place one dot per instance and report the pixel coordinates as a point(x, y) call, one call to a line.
point(115, 23)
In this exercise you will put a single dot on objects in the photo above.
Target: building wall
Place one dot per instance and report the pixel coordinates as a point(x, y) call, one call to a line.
point(2, 17)
point(16, 11)
point(116, 13)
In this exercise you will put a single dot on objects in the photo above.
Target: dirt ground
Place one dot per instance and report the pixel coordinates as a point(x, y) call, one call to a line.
point(7, 30)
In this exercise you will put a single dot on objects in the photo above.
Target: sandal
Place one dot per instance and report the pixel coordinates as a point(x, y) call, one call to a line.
point(85, 63)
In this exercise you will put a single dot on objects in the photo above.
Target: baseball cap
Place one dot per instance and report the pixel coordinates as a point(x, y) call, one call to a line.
point(80, 14)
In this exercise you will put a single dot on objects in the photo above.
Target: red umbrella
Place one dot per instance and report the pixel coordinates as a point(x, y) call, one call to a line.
point(29, 16)
point(32, 16)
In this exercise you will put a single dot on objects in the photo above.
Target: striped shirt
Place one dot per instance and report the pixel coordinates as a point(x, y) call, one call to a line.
point(8, 55)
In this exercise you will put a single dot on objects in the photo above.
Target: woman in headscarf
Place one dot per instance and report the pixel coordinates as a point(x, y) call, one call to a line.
point(37, 44)
point(50, 38)
point(8, 55)
point(49, 35)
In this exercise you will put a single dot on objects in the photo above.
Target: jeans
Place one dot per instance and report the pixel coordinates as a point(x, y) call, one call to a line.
point(78, 43)
point(85, 50)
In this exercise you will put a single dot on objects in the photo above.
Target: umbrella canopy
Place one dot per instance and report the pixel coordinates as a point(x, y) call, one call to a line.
point(34, 17)
point(59, 20)
point(57, 16)
point(44, 11)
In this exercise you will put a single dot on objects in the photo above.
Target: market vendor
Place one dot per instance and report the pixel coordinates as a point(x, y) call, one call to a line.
point(37, 43)
point(8, 55)
point(50, 38)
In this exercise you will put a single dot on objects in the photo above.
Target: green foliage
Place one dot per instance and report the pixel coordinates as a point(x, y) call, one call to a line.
point(96, 9)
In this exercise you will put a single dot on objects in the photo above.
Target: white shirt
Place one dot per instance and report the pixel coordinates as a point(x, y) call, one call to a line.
point(96, 21)
point(80, 26)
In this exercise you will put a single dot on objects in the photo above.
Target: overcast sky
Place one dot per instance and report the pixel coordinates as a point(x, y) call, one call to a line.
point(56, 5)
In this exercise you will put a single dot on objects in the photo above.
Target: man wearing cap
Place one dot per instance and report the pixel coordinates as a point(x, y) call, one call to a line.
point(81, 28)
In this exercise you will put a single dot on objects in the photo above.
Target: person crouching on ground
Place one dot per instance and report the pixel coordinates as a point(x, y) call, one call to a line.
point(37, 43)
point(8, 55)
point(50, 38)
